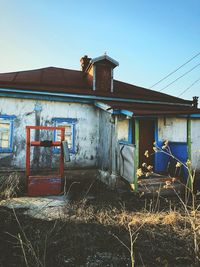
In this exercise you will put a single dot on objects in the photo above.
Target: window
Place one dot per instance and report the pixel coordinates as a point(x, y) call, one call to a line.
point(69, 125)
point(124, 130)
point(6, 133)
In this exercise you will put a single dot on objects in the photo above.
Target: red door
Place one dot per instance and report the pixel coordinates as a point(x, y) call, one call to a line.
point(146, 140)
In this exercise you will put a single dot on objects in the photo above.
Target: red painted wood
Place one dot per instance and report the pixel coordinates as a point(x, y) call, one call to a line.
point(38, 143)
point(27, 151)
point(48, 184)
point(146, 140)
point(44, 185)
point(45, 127)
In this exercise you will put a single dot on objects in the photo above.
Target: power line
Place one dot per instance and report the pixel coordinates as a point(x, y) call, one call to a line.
point(189, 87)
point(180, 77)
point(176, 70)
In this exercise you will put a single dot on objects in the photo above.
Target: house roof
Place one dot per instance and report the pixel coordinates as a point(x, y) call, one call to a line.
point(143, 109)
point(61, 80)
point(47, 79)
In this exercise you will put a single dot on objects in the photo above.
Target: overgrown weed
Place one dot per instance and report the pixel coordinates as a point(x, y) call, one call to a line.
point(9, 185)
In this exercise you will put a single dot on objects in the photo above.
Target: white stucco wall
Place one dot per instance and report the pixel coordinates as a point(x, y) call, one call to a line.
point(175, 130)
point(87, 129)
point(172, 129)
point(195, 133)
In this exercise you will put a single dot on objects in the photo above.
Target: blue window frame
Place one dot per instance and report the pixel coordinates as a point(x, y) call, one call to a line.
point(69, 125)
point(6, 133)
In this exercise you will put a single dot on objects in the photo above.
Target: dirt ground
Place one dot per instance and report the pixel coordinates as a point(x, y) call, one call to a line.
point(95, 231)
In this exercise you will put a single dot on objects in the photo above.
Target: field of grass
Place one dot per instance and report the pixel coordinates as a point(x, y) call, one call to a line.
point(101, 228)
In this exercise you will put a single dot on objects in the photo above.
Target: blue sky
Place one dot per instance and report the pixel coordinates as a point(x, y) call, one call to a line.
point(148, 38)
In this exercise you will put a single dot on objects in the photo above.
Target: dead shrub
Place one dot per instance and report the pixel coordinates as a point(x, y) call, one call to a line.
point(9, 185)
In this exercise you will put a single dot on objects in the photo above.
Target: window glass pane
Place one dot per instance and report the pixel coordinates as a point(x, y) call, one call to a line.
point(4, 133)
point(68, 129)
point(4, 144)
point(68, 133)
point(4, 124)
point(58, 138)
point(69, 141)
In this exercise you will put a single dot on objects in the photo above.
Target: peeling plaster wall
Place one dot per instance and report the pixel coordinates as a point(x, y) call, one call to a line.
point(86, 132)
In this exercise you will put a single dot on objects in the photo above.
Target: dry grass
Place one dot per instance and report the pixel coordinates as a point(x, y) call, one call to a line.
point(173, 218)
point(108, 216)
point(144, 232)
point(138, 235)
point(9, 185)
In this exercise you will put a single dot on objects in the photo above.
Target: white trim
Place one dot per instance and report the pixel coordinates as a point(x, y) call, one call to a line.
point(96, 59)
point(111, 89)
point(94, 78)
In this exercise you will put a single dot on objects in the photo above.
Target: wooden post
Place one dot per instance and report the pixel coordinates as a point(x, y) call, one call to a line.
point(114, 146)
point(189, 138)
point(189, 148)
point(136, 154)
point(62, 153)
point(27, 152)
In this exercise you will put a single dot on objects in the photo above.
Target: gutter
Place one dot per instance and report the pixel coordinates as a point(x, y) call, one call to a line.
point(86, 97)
point(45, 97)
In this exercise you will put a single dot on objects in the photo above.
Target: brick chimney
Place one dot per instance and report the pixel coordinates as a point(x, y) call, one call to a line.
point(103, 67)
point(100, 72)
point(195, 101)
point(85, 61)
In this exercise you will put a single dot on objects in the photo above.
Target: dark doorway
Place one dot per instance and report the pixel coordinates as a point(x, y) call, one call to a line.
point(146, 140)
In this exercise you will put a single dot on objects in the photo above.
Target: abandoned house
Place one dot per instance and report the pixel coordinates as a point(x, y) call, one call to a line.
point(109, 124)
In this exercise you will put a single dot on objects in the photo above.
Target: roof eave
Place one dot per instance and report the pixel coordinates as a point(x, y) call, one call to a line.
point(105, 57)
